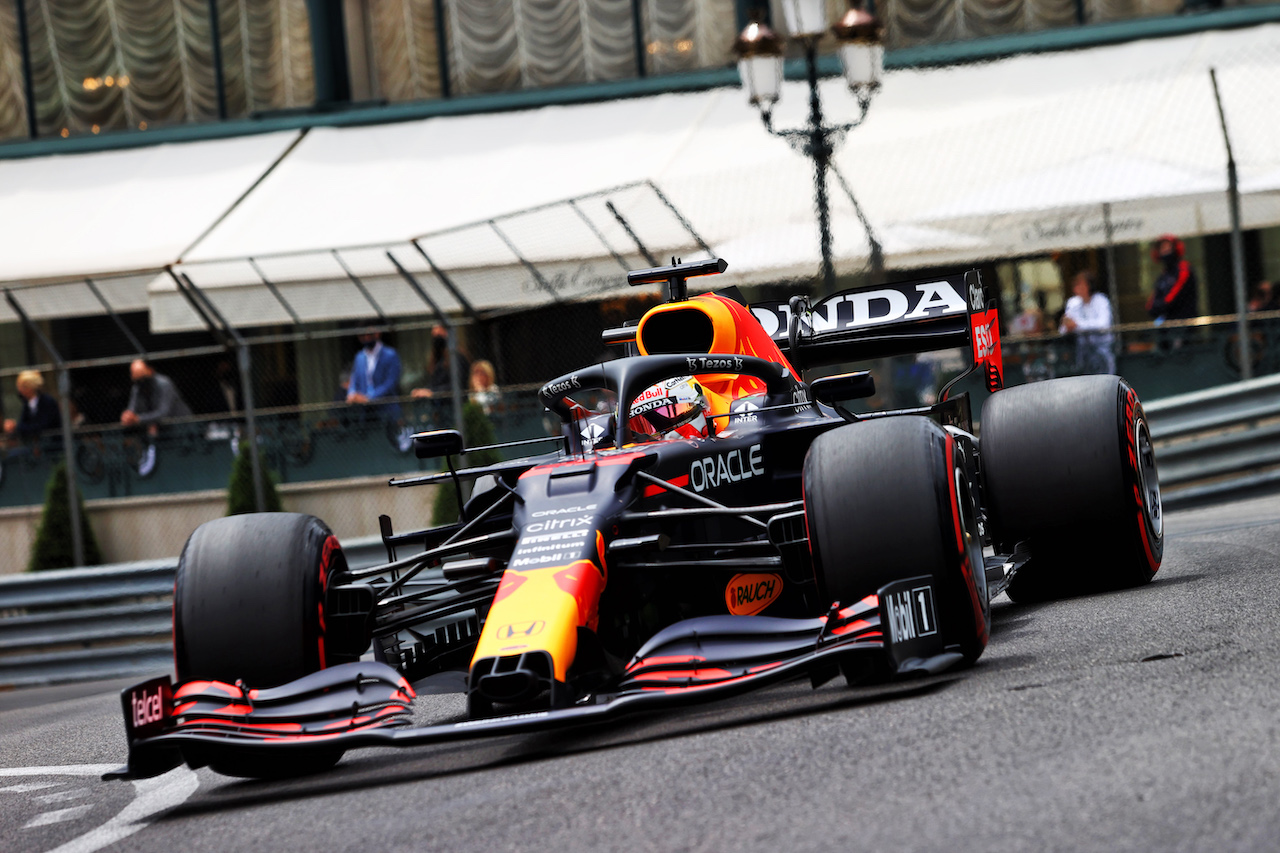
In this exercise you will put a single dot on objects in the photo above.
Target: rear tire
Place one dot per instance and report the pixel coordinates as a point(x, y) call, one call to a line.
point(248, 606)
point(891, 499)
point(1068, 468)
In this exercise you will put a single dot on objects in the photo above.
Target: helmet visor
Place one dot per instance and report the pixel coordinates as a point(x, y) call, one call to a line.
point(664, 407)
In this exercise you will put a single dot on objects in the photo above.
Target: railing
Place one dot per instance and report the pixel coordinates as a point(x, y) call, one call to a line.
point(83, 624)
point(299, 444)
point(1219, 440)
point(1159, 361)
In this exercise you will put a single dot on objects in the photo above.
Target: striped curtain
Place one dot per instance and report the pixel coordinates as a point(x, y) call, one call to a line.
point(116, 64)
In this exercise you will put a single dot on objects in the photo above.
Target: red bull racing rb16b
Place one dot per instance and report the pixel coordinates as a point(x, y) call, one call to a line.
point(709, 523)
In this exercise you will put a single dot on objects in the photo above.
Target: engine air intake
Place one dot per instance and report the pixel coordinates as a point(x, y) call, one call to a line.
point(683, 328)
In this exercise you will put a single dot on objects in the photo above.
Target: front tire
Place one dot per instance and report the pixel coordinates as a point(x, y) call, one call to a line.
point(1069, 468)
point(889, 499)
point(248, 606)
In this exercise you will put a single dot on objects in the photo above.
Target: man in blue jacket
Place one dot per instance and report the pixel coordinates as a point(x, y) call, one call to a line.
point(375, 375)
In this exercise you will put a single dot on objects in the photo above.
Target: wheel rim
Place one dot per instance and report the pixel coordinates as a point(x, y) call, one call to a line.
point(1149, 480)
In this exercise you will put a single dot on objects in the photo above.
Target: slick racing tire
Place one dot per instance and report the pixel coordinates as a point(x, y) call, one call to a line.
point(1068, 468)
point(890, 499)
point(248, 606)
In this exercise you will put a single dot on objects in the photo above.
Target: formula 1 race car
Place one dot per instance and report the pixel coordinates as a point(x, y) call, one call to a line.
point(710, 523)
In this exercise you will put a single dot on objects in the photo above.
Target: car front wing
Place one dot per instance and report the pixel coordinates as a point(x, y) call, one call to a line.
point(889, 635)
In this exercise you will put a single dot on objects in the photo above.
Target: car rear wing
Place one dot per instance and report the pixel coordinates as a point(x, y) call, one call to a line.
point(890, 319)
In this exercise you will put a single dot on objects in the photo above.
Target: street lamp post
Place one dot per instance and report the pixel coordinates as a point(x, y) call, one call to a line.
point(760, 63)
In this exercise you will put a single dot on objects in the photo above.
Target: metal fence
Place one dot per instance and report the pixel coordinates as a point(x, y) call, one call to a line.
point(1219, 440)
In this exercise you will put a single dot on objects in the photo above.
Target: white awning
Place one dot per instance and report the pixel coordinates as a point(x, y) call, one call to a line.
point(1128, 134)
point(117, 211)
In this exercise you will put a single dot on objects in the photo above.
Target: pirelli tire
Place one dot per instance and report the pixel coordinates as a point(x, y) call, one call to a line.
point(889, 499)
point(248, 606)
point(1068, 468)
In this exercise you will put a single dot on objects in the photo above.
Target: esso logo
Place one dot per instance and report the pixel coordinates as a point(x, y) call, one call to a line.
point(983, 341)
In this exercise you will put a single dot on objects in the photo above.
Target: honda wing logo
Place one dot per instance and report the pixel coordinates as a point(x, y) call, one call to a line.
point(521, 630)
point(856, 309)
point(888, 305)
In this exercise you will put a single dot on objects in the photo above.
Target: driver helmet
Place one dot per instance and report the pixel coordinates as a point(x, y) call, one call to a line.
point(673, 408)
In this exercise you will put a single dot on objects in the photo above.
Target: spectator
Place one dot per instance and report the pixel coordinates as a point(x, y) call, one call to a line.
point(1088, 317)
point(152, 399)
point(228, 381)
point(441, 381)
point(1264, 297)
point(484, 387)
point(344, 387)
point(375, 375)
point(39, 411)
point(223, 398)
point(1175, 294)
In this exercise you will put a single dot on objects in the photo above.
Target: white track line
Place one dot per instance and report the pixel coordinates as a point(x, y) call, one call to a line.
point(151, 797)
point(58, 816)
point(60, 770)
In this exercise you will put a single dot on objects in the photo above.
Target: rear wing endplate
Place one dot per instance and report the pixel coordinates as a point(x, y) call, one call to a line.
point(890, 319)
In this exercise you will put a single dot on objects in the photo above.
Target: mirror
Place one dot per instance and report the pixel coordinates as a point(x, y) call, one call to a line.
point(437, 443)
point(844, 386)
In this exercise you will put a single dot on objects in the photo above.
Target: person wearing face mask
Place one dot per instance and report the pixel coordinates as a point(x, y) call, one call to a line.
point(375, 375)
point(440, 381)
point(1175, 296)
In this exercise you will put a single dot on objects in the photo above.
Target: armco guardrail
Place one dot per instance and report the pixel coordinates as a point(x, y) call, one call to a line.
point(81, 624)
point(101, 622)
point(1218, 440)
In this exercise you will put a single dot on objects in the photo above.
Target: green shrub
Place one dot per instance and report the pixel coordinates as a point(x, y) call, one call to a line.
point(477, 431)
point(240, 490)
point(52, 548)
